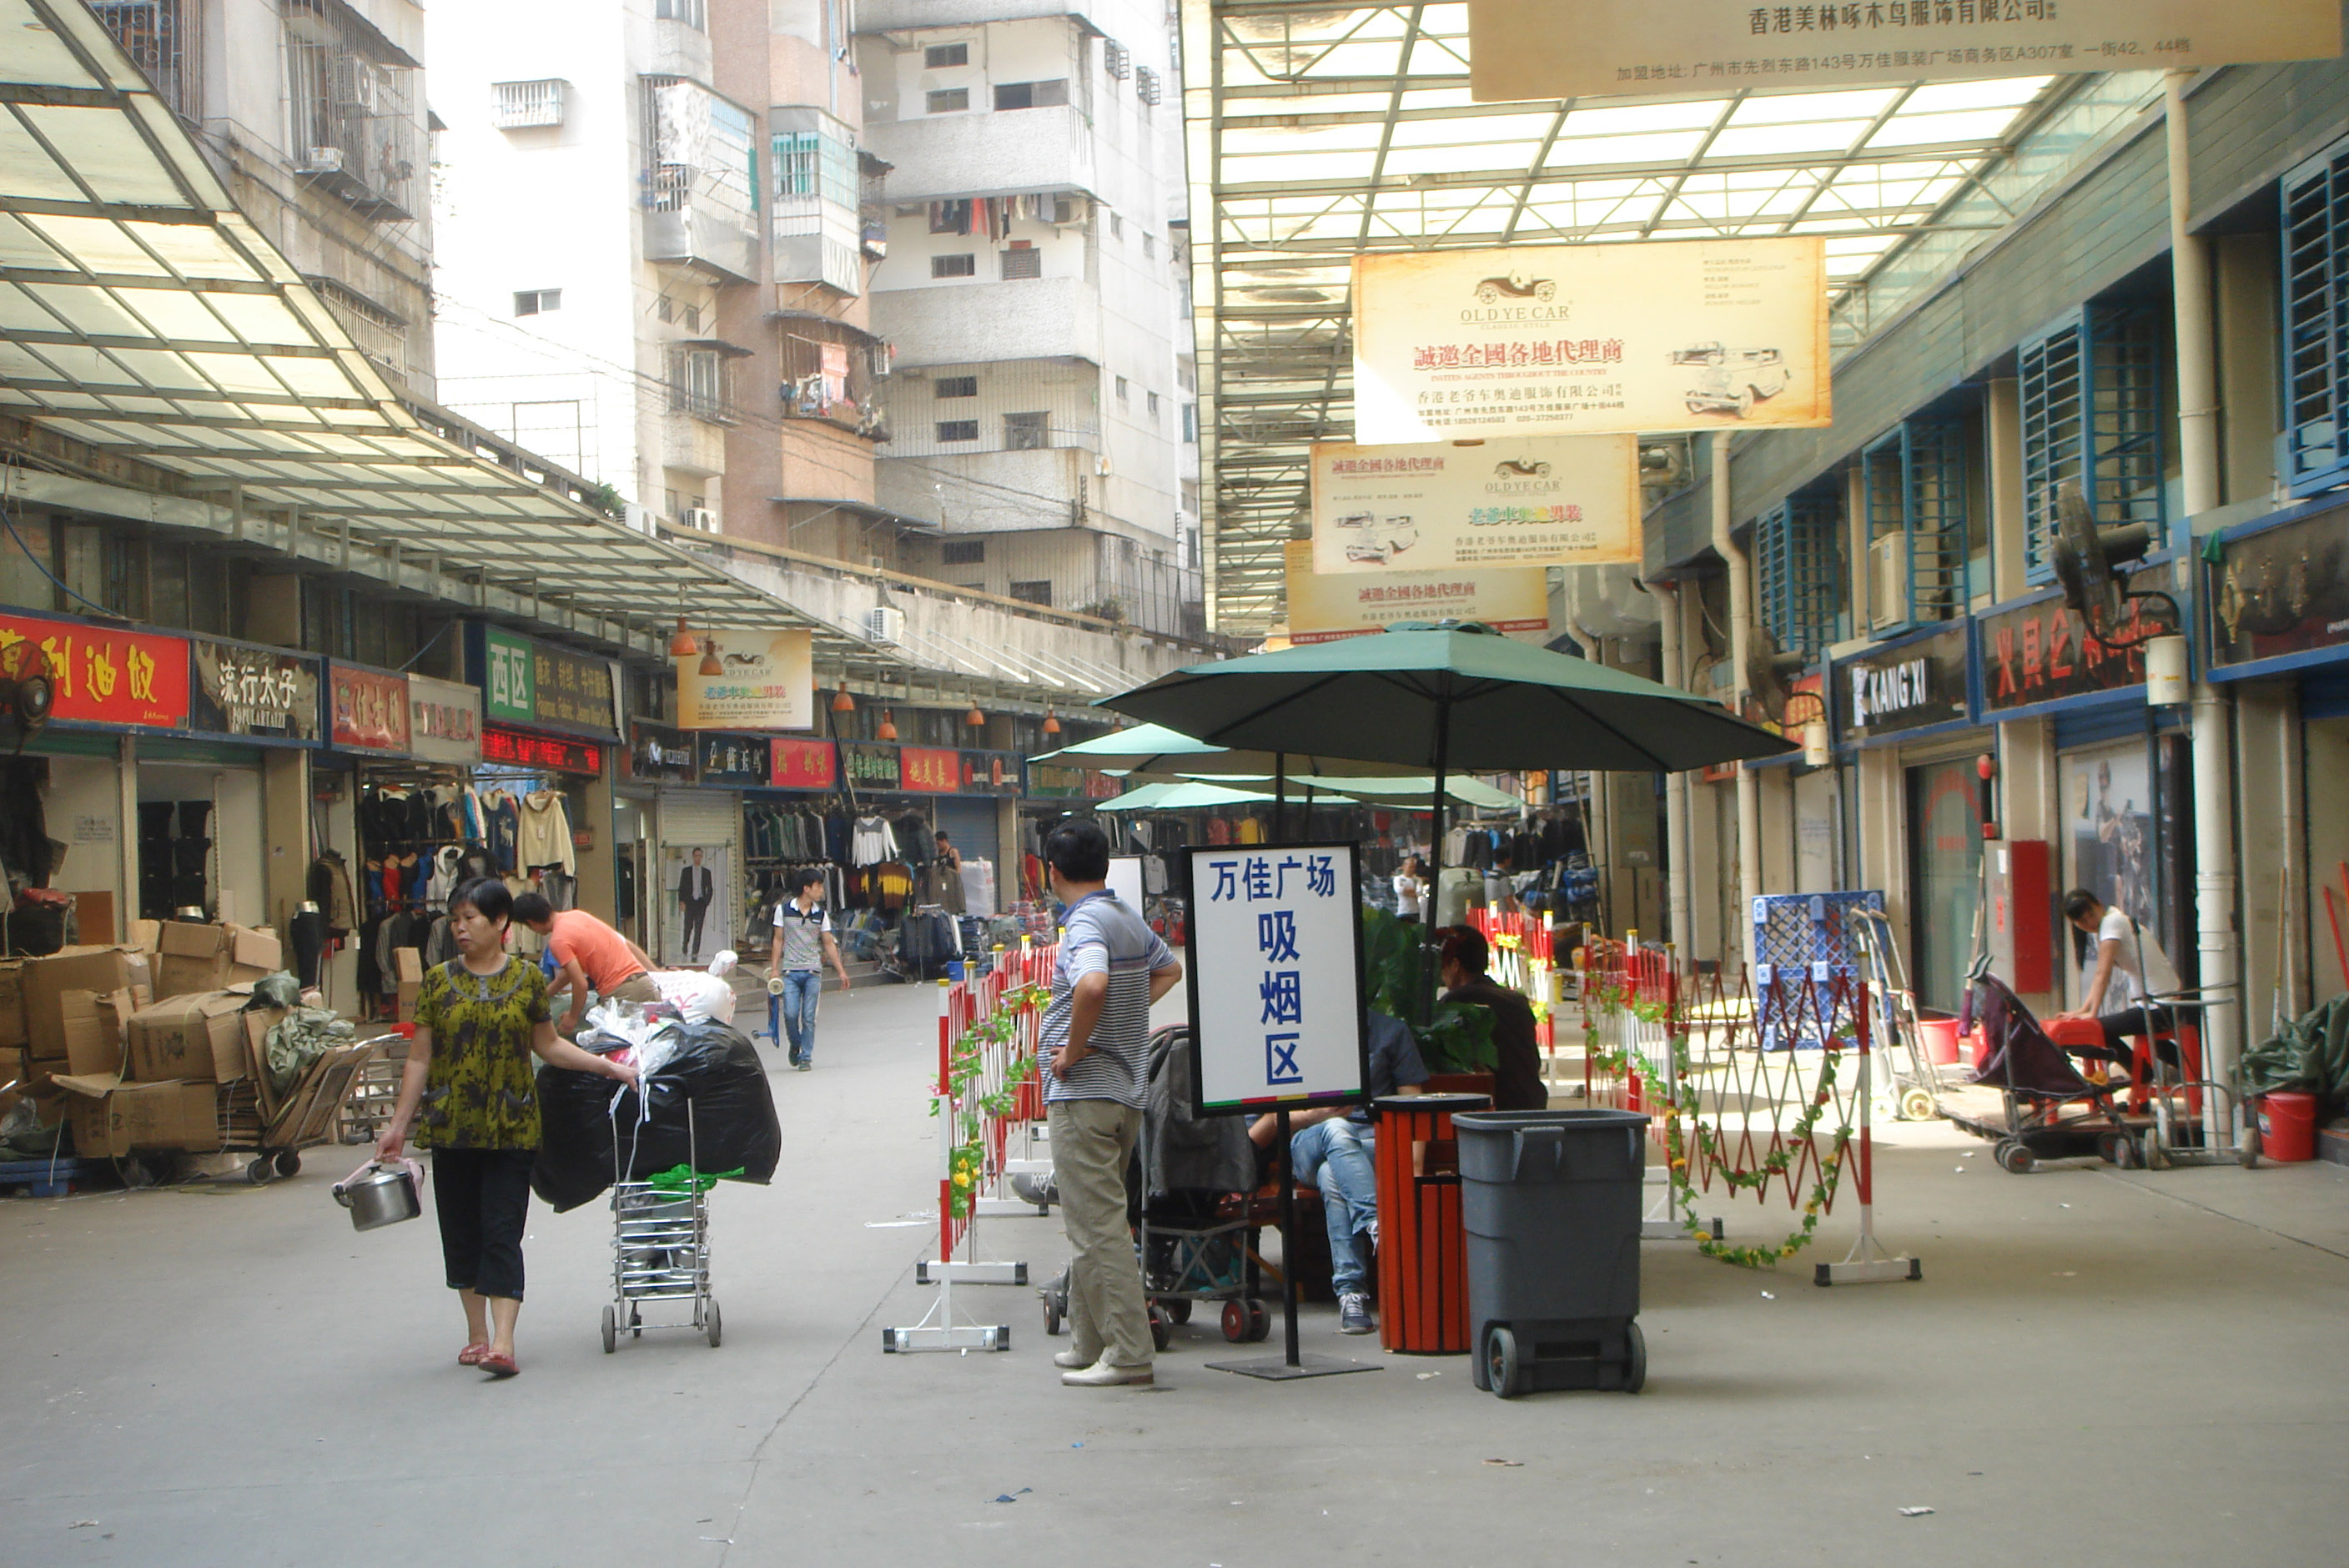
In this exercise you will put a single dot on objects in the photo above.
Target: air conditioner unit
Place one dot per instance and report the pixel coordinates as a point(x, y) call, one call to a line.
point(322, 161)
point(1888, 580)
point(640, 518)
point(884, 623)
point(699, 518)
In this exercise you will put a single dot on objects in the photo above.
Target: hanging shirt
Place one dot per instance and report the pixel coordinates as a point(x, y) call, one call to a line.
point(545, 835)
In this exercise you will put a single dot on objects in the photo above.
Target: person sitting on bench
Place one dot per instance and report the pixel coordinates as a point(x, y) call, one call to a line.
point(2124, 951)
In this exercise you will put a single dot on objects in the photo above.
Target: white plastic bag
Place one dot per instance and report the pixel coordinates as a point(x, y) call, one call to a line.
point(697, 993)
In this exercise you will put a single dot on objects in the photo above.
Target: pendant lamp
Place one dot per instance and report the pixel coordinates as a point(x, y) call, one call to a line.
point(888, 730)
point(684, 645)
point(842, 702)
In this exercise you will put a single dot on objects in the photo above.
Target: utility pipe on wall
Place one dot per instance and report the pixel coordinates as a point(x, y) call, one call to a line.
point(1676, 790)
point(1599, 813)
point(1741, 637)
point(2214, 780)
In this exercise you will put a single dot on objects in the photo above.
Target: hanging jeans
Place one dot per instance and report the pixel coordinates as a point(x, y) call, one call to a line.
point(800, 988)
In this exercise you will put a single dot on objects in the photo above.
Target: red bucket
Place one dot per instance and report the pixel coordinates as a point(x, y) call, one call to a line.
point(2288, 1126)
point(1939, 1034)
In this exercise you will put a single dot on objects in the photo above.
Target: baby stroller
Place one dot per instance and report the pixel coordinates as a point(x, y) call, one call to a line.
point(1191, 1200)
point(2051, 1111)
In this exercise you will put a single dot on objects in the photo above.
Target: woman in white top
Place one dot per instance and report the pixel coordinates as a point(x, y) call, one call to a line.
point(2131, 969)
point(1411, 889)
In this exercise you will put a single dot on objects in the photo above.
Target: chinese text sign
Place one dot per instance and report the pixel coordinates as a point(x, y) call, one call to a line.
point(1276, 976)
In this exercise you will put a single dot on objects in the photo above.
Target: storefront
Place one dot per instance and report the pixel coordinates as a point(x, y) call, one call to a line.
point(550, 716)
point(1050, 793)
point(1905, 726)
point(658, 757)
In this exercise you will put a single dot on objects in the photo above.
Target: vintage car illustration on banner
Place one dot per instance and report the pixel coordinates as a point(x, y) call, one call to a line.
point(1731, 380)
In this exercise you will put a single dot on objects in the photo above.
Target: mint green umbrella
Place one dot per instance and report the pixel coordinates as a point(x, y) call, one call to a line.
point(1183, 795)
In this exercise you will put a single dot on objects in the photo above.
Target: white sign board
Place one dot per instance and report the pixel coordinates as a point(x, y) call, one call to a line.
point(1572, 501)
point(1323, 608)
point(1275, 977)
point(1571, 340)
point(1538, 49)
point(1126, 880)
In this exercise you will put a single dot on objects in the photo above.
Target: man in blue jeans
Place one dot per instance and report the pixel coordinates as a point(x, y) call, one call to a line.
point(1332, 1149)
point(803, 942)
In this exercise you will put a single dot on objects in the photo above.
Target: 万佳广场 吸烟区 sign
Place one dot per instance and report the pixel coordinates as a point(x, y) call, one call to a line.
point(1281, 1022)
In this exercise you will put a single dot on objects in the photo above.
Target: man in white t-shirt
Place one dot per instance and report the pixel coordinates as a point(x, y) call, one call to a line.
point(2130, 969)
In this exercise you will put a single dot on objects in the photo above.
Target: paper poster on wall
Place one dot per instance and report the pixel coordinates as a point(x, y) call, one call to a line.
point(1566, 340)
point(748, 681)
point(1281, 1023)
point(1618, 48)
point(1441, 505)
point(697, 918)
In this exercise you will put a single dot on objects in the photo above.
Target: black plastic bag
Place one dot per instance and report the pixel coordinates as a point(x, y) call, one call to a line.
point(717, 1069)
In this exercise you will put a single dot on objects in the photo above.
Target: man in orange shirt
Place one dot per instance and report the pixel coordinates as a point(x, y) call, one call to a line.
point(587, 952)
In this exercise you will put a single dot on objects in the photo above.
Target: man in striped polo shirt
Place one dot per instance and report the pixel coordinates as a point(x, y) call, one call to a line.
point(1096, 1050)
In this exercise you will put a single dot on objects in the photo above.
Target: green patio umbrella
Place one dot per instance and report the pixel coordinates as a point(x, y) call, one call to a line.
point(1157, 750)
point(1183, 795)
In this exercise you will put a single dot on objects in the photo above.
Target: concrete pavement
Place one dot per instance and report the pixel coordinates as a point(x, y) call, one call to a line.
point(2142, 1368)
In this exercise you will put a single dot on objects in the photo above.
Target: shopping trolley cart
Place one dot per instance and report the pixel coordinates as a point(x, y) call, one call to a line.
point(660, 1246)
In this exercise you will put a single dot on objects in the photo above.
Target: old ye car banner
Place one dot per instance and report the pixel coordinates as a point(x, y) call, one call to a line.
point(1559, 340)
point(1523, 49)
point(1406, 511)
point(1323, 609)
point(753, 681)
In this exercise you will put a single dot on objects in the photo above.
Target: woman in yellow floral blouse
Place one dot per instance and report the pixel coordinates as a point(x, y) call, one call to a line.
point(480, 1018)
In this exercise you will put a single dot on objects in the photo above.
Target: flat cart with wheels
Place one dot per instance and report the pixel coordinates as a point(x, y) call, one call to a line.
point(1915, 1080)
point(660, 1249)
point(306, 1118)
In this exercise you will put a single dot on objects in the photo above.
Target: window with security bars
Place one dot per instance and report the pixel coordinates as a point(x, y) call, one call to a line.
point(1145, 85)
point(2091, 394)
point(945, 56)
point(963, 552)
point(957, 429)
point(526, 105)
point(1025, 262)
point(157, 37)
point(1027, 432)
point(1116, 59)
point(697, 383)
point(958, 387)
point(694, 14)
point(2316, 321)
point(1798, 575)
point(1913, 485)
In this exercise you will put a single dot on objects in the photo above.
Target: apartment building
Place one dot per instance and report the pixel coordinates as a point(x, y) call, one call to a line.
point(1034, 292)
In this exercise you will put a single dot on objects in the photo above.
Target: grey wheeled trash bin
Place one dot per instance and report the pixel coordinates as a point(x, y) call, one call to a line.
point(1550, 1203)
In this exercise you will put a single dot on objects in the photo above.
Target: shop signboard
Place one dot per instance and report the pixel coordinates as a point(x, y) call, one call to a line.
point(2282, 590)
point(1529, 49)
point(802, 764)
point(736, 761)
point(2041, 652)
point(444, 721)
point(1580, 340)
point(547, 753)
point(368, 710)
point(1050, 781)
point(102, 675)
point(1279, 928)
point(929, 770)
point(1324, 607)
point(991, 773)
point(868, 766)
point(236, 689)
point(1911, 685)
point(747, 680)
point(525, 681)
point(659, 754)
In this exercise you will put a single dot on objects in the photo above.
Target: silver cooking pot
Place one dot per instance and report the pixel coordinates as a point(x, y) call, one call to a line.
point(379, 1194)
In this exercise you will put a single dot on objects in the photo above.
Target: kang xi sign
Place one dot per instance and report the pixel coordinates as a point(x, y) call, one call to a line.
point(1909, 686)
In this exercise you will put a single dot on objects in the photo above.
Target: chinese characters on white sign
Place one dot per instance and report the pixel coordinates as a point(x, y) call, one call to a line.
point(1276, 976)
point(1562, 501)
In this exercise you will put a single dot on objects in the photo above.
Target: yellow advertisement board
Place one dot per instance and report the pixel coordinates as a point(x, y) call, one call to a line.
point(1559, 340)
point(1438, 506)
point(748, 681)
point(1323, 608)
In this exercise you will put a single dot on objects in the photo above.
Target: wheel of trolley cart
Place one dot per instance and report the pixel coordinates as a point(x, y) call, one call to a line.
point(1259, 1319)
point(611, 1331)
point(1179, 1310)
point(1236, 1321)
point(1917, 1104)
point(1162, 1330)
point(288, 1164)
point(2116, 1149)
point(2014, 1156)
point(713, 1326)
point(1502, 1370)
point(257, 1170)
point(1635, 1364)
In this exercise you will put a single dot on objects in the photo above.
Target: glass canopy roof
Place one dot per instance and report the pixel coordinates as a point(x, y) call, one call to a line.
point(142, 314)
point(1321, 131)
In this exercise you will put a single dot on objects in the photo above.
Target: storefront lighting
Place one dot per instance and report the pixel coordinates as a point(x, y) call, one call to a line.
point(1052, 722)
point(841, 701)
point(888, 730)
point(975, 719)
point(709, 665)
point(684, 645)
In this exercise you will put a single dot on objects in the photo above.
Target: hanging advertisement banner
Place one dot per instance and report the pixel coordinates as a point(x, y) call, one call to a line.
point(1522, 49)
point(1324, 607)
point(367, 708)
point(525, 681)
point(1570, 340)
point(240, 690)
point(747, 680)
point(100, 675)
point(444, 721)
point(1283, 1023)
point(1442, 505)
point(801, 764)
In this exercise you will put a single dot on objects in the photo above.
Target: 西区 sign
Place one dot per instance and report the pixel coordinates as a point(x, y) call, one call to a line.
point(1323, 608)
point(1571, 340)
point(367, 708)
point(525, 681)
point(1439, 506)
point(100, 675)
point(1280, 927)
point(1531, 49)
point(747, 680)
point(444, 720)
point(240, 690)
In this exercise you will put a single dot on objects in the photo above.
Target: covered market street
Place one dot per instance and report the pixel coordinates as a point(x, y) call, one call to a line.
point(232, 1376)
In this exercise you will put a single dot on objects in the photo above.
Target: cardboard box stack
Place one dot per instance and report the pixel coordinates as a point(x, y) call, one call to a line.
point(192, 958)
point(410, 963)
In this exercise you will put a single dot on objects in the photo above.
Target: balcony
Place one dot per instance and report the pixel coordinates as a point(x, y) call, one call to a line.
point(692, 443)
point(834, 373)
point(996, 152)
point(976, 323)
point(698, 210)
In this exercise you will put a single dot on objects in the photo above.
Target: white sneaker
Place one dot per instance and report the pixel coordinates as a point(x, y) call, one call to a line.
point(1103, 1374)
point(1068, 1361)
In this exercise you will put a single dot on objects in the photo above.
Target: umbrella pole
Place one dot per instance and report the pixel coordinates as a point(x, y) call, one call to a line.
point(1430, 961)
point(1279, 797)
